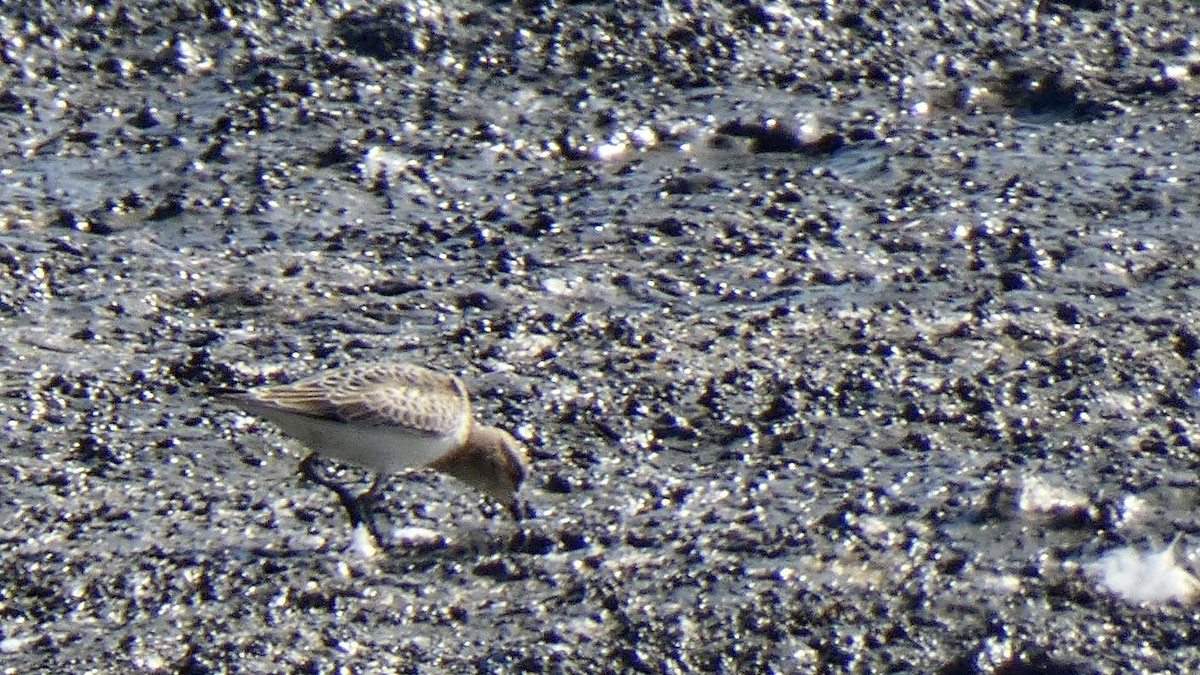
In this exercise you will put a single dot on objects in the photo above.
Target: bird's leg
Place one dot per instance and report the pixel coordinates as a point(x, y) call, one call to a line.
point(371, 495)
point(366, 503)
point(359, 512)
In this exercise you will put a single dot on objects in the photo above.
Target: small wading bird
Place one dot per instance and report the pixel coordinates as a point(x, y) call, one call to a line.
point(389, 417)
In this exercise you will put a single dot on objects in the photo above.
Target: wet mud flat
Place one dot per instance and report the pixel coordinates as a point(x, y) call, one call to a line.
point(844, 341)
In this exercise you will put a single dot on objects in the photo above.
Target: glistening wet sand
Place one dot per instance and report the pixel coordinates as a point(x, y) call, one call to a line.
point(791, 308)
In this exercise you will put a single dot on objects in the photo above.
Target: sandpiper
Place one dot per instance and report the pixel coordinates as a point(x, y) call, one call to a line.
point(388, 417)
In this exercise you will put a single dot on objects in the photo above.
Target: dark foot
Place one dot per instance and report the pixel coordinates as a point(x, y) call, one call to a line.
point(365, 503)
point(360, 514)
point(358, 507)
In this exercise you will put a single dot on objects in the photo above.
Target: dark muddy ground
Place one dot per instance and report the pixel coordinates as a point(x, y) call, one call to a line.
point(799, 308)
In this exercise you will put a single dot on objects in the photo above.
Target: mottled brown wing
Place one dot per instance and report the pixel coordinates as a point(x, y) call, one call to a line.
point(391, 394)
point(408, 396)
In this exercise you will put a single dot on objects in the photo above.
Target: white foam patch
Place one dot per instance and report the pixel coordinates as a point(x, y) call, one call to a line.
point(1144, 577)
point(362, 544)
point(609, 151)
point(1133, 511)
point(1039, 495)
point(418, 537)
point(377, 161)
point(13, 645)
